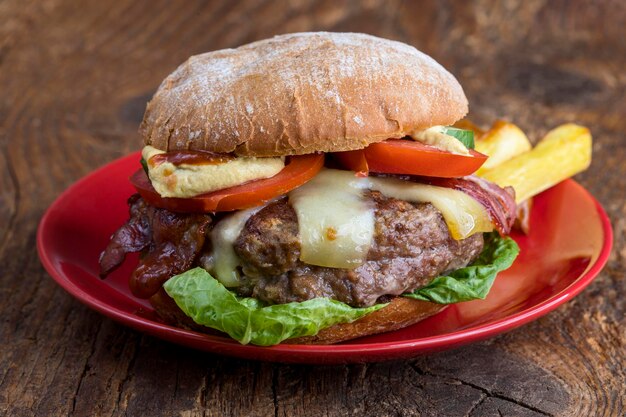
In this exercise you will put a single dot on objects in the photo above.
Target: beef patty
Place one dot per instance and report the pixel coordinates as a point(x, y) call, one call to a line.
point(412, 245)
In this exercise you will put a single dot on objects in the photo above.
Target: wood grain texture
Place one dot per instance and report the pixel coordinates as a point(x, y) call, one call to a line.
point(75, 77)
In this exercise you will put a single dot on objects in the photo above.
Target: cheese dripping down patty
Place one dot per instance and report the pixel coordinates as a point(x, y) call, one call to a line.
point(190, 180)
point(337, 222)
point(224, 260)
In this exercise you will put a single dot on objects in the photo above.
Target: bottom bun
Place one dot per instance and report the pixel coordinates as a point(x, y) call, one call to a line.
point(401, 312)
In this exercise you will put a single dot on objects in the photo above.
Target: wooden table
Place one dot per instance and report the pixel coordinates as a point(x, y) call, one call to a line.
point(74, 80)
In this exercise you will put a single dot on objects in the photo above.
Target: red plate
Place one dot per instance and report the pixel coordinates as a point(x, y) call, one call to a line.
point(569, 244)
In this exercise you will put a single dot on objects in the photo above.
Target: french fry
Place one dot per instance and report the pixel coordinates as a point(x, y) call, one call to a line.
point(562, 153)
point(500, 143)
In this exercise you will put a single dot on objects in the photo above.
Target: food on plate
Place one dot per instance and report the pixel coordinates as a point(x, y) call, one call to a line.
point(563, 152)
point(500, 143)
point(314, 188)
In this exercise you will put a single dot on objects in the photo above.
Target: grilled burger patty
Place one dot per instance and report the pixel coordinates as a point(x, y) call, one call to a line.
point(412, 245)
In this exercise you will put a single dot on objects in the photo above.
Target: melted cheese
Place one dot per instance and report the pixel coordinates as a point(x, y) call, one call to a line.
point(223, 237)
point(463, 215)
point(336, 223)
point(189, 180)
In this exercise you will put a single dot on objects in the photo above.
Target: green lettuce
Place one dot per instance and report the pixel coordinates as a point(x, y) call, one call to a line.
point(209, 303)
point(248, 320)
point(474, 281)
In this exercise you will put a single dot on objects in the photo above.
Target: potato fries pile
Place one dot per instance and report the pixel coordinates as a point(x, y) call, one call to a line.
point(563, 152)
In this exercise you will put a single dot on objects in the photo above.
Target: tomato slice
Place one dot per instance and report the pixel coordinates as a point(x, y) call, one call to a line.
point(299, 169)
point(397, 156)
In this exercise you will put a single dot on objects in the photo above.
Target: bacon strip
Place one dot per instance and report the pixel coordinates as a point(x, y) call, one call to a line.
point(133, 236)
point(176, 242)
point(499, 202)
point(172, 242)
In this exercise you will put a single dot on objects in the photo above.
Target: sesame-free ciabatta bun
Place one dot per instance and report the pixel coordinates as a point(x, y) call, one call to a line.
point(399, 313)
point(300, 93)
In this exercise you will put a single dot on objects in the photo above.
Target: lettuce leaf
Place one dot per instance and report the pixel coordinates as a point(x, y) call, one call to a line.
point(247, 320)
point(474, 281)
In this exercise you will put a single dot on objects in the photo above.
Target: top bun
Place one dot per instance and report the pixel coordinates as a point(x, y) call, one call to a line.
point(300, 93)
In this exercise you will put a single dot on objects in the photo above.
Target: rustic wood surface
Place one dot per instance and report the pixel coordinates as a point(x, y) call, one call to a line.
point(74, 79)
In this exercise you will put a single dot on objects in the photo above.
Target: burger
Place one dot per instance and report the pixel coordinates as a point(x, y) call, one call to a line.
point(310, 188)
